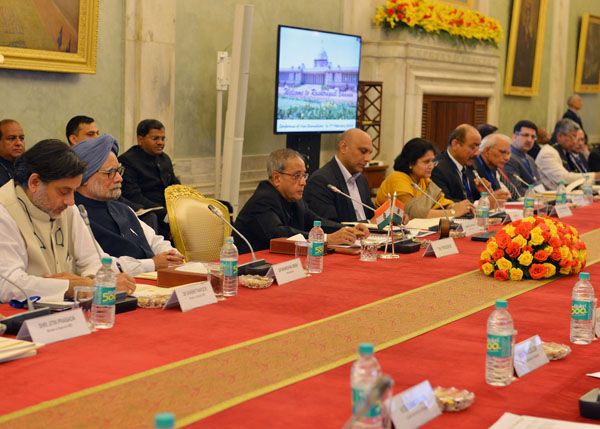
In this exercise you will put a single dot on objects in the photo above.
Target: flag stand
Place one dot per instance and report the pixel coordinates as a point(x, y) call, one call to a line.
point(385, 254)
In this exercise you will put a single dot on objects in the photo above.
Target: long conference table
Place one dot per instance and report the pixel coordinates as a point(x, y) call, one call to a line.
point(281, 357)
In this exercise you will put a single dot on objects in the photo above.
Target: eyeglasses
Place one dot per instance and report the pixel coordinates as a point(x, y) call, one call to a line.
point(525, 135)
point(112, 171)
point(296, 176)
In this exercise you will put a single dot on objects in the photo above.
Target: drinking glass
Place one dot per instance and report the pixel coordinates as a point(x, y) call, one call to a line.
point(216, 277)
point(368, 250)
point(302, 254)
point(83, 297)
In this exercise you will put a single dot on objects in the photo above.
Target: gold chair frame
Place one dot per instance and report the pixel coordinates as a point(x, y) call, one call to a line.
point(198, 234)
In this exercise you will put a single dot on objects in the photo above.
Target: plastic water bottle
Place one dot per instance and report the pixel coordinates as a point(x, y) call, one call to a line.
point(103, 306)
point(561, 193)
point(164, 421)
point(499, 356)
point(582, 310)
point(316, 237)
point(483, 212)
point(588, 190)
point(365, 372)
point(529, 203)
point(229, 262)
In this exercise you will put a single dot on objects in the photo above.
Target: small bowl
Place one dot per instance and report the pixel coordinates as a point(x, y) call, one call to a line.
point(453, 399)
point(556, 351)
point(152, 301)
point(256, 282)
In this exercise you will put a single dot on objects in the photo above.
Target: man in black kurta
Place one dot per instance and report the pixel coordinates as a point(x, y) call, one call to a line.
point(148, 170)
point(276, 208)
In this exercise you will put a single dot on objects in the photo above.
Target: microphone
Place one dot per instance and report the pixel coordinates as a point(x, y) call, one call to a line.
point(86, 220)
point(13, 323)
point(509, 184)
point(374, 395)
point(414, 185)
point(257, 265)
point(516, 176)
point(337, 191)
point(477, 176)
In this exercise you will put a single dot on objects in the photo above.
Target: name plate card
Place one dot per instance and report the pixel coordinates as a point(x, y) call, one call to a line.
point(54, 327)
point(469, 227)
point(441, 248)
point(414, 407)
point(287, 271)
point(512, 215)
point(561, 210)
point(192, 296)
point(529, 355)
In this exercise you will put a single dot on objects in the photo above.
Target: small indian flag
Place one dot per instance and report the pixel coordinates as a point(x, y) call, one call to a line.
point(382, 214)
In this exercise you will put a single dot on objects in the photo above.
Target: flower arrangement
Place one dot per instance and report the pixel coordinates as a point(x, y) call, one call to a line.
point(533, 248)
point(432, 17)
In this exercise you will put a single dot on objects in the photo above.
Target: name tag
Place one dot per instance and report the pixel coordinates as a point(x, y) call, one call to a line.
point(469, 227)
point(441, 248)
point(192, 296)
point(512, 215)
point(529, 355)
point(414, 407)
point(54, 327)
point(287, 271)
point(561, 210)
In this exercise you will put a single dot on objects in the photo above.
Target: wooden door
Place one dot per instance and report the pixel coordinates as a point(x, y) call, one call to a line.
point(441, 114)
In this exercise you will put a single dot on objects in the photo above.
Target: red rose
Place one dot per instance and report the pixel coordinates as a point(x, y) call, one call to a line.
point(540, 255)
point(554, 242)
point(483, 261)
point(565, 263)
point(503, 239)
point(539, 221)
point(513, 250)
point(390, 12)
point(555, 255)
point(499, 253)
point(546, 236)
point(501, 275)
point(524, 228)
point(527, 248)
point(537, 271)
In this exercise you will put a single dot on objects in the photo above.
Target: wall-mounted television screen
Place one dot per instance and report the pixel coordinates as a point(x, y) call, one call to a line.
point(317, 81)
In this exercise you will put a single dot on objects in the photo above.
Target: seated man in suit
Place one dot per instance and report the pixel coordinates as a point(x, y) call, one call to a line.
point(276, 209)
point(556, 161)
point(12, 146)
point(114, 224)
point(579, 153)
point(344, 172)
point(453, 172)
point(494, 153)
point(45, 246)
point(521, 164)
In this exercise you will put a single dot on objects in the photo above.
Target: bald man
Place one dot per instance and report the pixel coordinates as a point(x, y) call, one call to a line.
point(344, 172)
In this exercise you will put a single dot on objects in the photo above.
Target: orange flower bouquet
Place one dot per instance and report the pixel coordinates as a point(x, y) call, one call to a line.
point(533, 248)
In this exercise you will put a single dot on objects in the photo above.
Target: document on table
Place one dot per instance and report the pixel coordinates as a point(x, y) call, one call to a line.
point(11, 349)
point(514, 421)
point(193, 267)
point(152, 275)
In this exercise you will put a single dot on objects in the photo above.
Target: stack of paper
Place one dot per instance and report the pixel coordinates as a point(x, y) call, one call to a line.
point(16, 349)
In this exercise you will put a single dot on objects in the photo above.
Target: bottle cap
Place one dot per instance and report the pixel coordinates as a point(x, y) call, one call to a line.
point(365, 349)
point(107, 260)
point(484, 194)
point(317, 223)
point(164, 420)
point(501, 303)
point(229, 239)
point(562, 182)
point(585, 276)
point(530, 186)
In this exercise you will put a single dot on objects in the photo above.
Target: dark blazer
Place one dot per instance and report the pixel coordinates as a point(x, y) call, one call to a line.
point(486, 173)
point(146, 177)
point(574, 117)
point(446, 176)
point(268, 215)
point(7, 171)
point(594, 160)
point(330, 205)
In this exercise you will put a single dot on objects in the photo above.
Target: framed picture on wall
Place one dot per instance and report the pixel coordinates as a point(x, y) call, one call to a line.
point(587, 74)
point(525, 46)
point(49, 35)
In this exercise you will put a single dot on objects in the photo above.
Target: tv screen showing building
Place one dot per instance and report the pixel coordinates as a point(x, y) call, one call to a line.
point(317, 81)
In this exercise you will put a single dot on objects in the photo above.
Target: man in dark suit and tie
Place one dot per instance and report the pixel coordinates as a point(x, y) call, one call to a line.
point(575, 104)
point(453, 172)
point(344, 172)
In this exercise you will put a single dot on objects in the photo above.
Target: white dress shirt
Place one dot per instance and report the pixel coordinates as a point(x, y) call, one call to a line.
point(350, 179)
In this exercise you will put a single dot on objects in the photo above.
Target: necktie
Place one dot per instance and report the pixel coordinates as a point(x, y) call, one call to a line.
point(465, 181)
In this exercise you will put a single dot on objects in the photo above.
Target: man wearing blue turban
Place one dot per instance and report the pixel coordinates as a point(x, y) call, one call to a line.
point(115, 225)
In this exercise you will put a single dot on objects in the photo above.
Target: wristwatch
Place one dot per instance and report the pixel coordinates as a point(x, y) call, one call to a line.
point(452, 212)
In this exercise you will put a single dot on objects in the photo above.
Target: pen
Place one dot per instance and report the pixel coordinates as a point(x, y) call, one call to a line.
point(119, 266)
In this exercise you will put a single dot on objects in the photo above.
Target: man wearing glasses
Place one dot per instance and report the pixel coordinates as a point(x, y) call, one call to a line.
point(556, 161)
point(114, 224)
point(276, 209)
point(521, 164)
point(148, 170)
point(494, 153)
point(45, 246)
